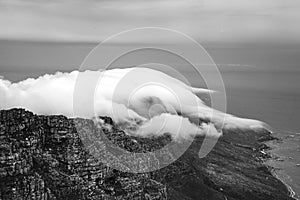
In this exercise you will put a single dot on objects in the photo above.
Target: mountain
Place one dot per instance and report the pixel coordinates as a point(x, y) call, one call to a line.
point(48, 157)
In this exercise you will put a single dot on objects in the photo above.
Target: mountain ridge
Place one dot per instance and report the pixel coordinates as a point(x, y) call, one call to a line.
point(44, 157)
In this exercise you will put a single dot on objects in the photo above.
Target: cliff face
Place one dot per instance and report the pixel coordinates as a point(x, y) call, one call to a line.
point(43, 157)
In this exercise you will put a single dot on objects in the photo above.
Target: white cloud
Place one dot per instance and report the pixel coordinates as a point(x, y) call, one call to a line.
point(147, 100)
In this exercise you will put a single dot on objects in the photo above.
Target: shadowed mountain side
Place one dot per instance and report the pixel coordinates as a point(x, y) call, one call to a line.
point(43, 157)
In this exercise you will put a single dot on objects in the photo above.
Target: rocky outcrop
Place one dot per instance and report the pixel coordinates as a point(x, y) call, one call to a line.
point(42, 157)
point(45, 157)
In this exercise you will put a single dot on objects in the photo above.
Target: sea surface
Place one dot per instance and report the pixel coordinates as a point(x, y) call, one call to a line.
point(261, 82)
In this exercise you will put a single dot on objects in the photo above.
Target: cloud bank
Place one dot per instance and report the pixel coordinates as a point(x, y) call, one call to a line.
point(143, 101)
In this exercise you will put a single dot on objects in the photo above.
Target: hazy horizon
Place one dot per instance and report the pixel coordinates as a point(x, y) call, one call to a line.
point(260, 82)
point(268, 21)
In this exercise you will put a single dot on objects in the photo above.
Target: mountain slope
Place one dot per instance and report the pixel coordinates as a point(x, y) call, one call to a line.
point(44, 157)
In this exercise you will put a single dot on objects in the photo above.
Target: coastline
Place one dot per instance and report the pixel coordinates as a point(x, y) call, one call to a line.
point(273, 161)
point(289, 188)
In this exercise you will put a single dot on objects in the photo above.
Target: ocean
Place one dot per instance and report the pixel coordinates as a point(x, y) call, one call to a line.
point(261, 81)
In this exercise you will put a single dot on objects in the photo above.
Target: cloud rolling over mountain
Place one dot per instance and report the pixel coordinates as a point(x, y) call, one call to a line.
point(143, 101)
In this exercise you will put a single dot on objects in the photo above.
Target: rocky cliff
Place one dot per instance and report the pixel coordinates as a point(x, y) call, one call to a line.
point(44, 157)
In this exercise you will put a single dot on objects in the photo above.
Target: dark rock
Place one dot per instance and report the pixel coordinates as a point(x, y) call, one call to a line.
point(45, 157)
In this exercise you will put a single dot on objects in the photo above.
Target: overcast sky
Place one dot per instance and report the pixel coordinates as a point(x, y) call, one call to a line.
point(205, 20)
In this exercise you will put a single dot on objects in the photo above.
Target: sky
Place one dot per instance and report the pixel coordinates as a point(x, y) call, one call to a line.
point(270, 72)
point(204, 20)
